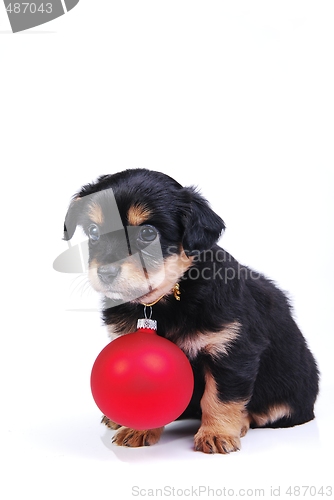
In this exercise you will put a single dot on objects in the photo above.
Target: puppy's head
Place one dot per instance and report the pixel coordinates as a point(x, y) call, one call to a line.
point(143, 230)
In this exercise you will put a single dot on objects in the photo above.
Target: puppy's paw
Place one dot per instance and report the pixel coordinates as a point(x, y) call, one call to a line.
point(215, 441)
point(109, 423)
point(129, 437)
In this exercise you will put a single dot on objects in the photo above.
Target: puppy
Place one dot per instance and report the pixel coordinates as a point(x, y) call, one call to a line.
point(152, 241)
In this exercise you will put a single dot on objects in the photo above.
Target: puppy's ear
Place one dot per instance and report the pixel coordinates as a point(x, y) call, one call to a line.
point(203, 226)
point(72, 218)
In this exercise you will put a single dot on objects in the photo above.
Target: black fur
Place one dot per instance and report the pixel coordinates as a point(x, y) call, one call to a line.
point(269, 362)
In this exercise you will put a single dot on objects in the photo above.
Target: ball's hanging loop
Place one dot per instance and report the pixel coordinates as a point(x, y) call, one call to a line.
point(150, 312)
point(147, 322)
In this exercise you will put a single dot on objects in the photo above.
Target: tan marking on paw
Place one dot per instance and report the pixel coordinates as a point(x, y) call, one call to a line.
point(245, 425)
point(132, 438)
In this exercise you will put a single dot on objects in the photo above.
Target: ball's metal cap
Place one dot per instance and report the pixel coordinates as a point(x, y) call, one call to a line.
point(147, 323)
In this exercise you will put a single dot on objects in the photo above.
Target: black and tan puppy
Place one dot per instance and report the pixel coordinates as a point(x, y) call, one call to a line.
point(251, 364)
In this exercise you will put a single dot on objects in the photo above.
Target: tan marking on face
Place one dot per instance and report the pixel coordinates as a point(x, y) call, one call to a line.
point(223, 423)
point(163, 280)
point(138, 214)
point(95, 213)
point(130, 284)
point(214, 343)
point(93, 277)
point(273, 414)
point(137, 285)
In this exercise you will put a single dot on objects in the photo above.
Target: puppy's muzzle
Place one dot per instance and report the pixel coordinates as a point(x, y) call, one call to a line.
point(108, 273)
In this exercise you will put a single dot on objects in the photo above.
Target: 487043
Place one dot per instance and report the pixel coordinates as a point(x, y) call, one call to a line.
point(29, 8)
point(310, 491)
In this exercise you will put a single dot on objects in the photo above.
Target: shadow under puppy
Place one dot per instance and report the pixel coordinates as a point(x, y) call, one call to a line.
point(251, 364)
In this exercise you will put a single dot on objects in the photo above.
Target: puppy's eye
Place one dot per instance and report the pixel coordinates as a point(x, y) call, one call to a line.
point(93, 232)
point(147, 234)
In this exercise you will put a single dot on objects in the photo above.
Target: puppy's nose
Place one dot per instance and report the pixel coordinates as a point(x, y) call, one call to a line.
point(108, 273)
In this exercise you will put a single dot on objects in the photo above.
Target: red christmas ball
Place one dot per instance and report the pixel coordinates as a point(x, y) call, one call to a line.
point(141, 380)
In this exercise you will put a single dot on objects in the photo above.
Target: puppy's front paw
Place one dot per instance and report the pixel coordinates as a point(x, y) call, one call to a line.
point(129, 437)
point(109, 423)
point(211, 440)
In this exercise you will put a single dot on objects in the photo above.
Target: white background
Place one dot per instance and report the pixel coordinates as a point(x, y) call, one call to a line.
point(235, 97)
